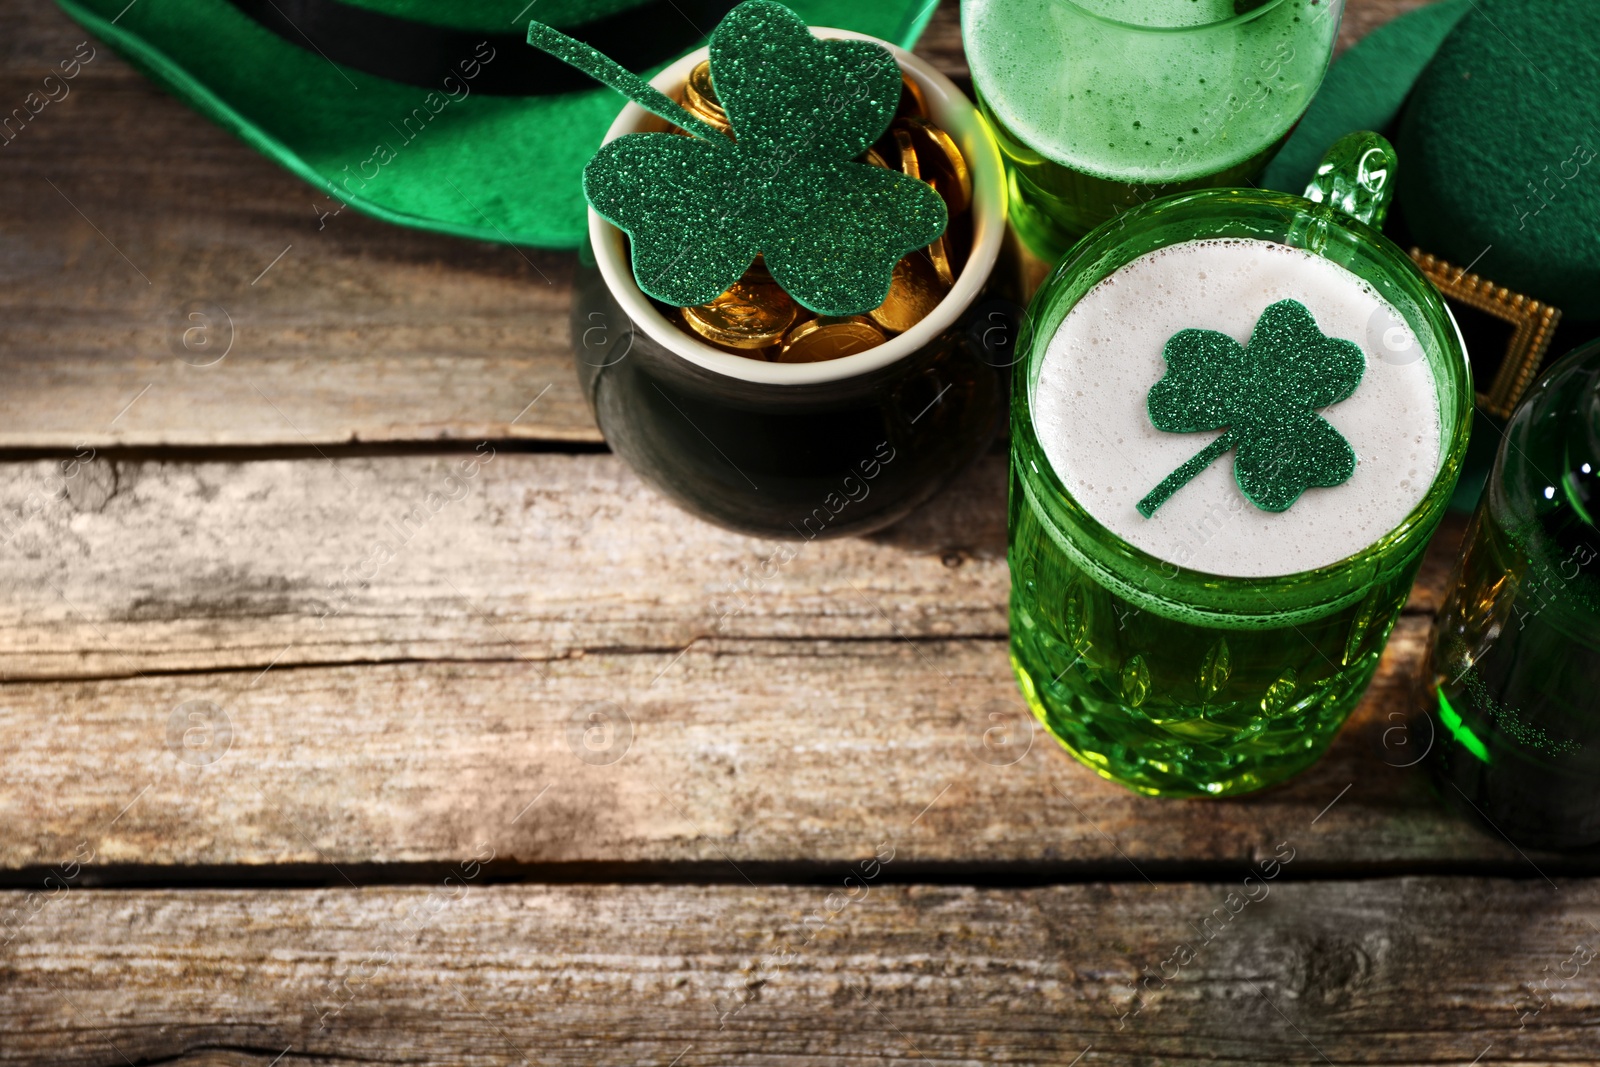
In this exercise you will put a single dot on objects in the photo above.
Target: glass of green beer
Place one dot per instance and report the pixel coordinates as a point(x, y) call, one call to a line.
point(1099, 105)
point(1214, 647)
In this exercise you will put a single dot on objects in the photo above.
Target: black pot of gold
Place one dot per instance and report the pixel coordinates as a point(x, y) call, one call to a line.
point(826, 381)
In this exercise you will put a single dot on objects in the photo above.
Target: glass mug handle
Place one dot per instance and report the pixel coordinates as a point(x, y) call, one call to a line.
point(1356, 177)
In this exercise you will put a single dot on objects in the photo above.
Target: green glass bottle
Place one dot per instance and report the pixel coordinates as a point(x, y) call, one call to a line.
point(1515, 683)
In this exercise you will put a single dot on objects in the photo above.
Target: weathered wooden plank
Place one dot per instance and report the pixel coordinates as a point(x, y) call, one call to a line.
point(361, 331)
point(1361, 17)
point(740, 752)
point(113, 568)
point(816, 695)
point(1405, 971)
point(123, 212)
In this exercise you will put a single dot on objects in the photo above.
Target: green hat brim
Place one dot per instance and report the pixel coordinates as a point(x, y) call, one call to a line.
point(495, 168)
point(1499, 126)
point(1498, 150)
point(1364, 90)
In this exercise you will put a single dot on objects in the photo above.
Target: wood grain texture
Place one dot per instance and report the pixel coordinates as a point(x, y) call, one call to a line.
point(1404, 971)
point(200, 677)
point(123, 567)
point(1361, 17)
point(772, 719)
point(360, 332)
point(126, 567)
point(777, 753)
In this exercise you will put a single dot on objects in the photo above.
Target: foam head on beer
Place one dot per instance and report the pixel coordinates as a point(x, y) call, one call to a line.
point(1118, 90)
point(1090, 415)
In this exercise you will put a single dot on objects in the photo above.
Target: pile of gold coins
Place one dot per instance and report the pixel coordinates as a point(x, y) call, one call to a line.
point(756, 318)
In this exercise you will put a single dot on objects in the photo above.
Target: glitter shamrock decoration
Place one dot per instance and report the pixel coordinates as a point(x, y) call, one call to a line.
point(699, 209)
point(1265, 396)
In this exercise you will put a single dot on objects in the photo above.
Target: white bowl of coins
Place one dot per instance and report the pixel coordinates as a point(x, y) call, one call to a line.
point(757, 414)
point(937, 136)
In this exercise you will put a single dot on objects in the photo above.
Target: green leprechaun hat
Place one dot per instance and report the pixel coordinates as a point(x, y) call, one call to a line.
point(430, 113)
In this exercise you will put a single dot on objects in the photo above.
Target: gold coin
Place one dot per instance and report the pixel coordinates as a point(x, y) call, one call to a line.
point(873, 159)
point(914, 292)
point(912, 102)
point(907, 150)
point(826, 338)
point(942, 163)
point(751, 315)
point(700, 100)
point(761, 355)
point(722, 126)
point(939, 254)
point(719, 123)
point(699, 95)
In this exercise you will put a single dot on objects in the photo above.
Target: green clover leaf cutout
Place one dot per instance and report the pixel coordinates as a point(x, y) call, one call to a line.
point(1265, 396)
point(699, 209)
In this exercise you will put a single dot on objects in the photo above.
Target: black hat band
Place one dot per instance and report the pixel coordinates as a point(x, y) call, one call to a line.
point(425, 55)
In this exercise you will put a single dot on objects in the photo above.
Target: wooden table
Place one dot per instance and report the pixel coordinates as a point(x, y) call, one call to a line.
point(562, 782)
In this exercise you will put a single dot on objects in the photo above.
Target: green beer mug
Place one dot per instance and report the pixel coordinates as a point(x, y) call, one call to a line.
point(1100, 105)
point(1177, 682)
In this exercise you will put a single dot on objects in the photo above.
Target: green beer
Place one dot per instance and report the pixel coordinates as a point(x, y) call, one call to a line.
point(1099, 105)
point(1214, 648)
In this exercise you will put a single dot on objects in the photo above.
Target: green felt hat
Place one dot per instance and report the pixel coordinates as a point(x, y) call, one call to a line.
point(1500, 150)
point(1499, 140)
point(430, 113)
point(1365, 89)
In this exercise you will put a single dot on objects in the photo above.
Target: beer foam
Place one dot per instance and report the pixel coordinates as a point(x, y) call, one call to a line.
point(1151, 105)
point(1089, 411)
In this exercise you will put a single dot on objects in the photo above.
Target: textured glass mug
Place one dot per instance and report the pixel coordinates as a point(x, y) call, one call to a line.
point(1229, 88)
point(797, 450)
point(1180, 683)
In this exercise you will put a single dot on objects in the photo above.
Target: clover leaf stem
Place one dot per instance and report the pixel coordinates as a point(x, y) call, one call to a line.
point(613, 75)
point(1180, 477)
